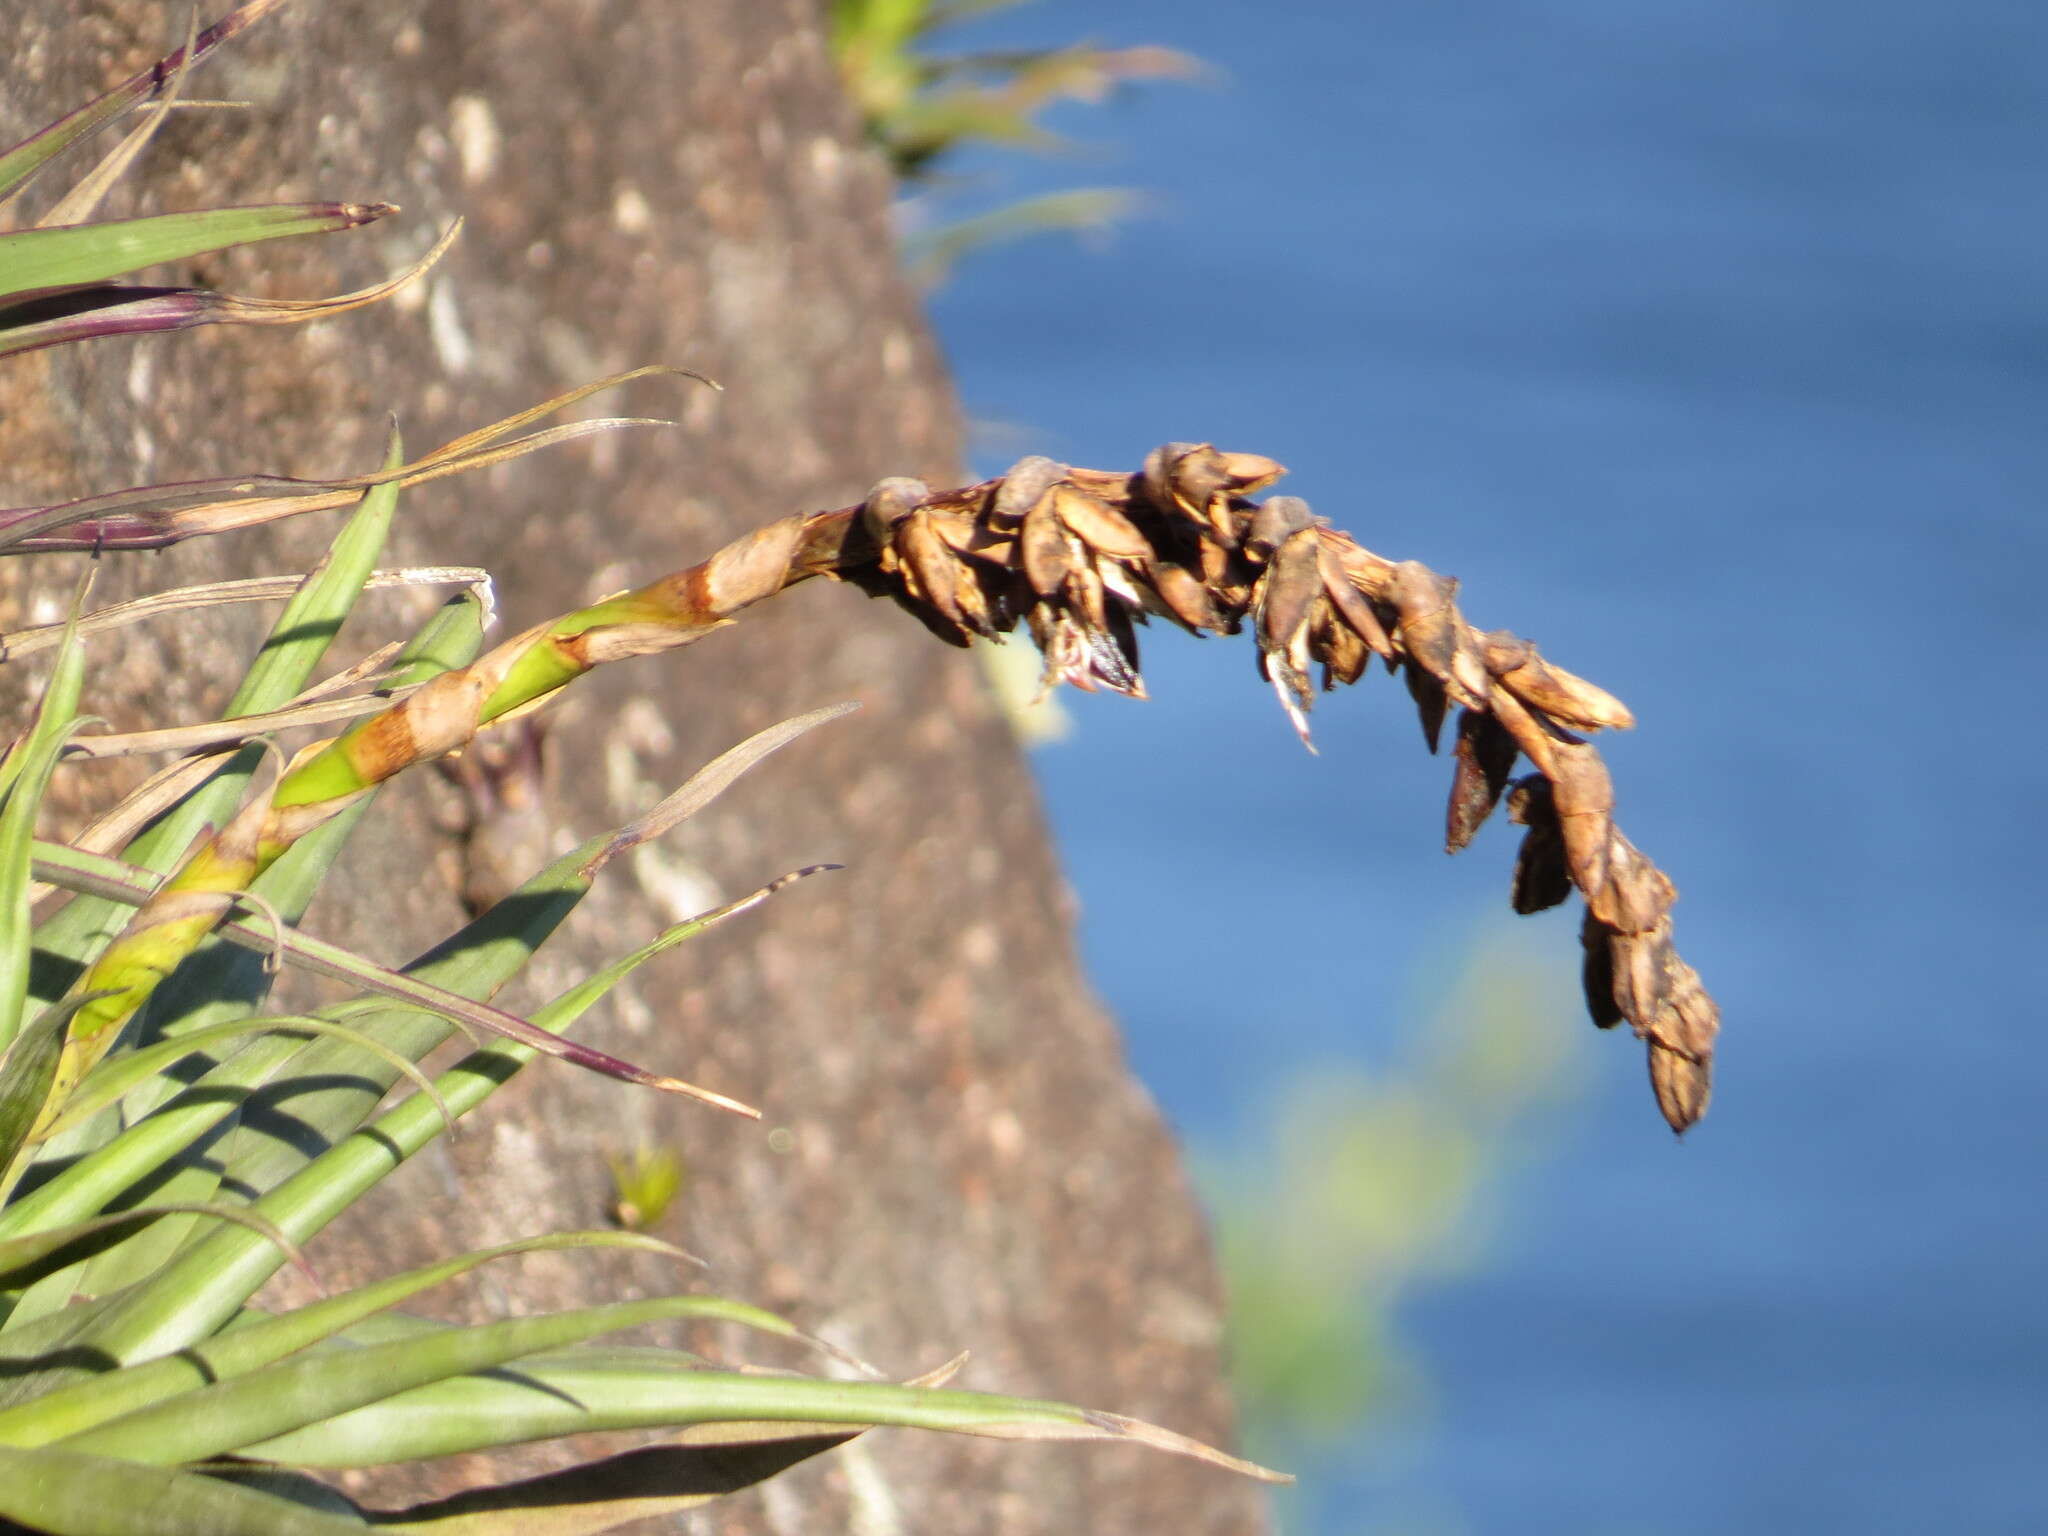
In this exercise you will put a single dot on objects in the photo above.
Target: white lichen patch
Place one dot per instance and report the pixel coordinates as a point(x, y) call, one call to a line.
point(474, 130)
point(630, 213)
point(444, 324)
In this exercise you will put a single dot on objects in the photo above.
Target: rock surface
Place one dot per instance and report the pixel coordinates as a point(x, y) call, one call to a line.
point(954, 1154)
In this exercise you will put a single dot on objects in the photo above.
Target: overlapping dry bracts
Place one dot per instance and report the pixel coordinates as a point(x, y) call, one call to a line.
point(1081, 557)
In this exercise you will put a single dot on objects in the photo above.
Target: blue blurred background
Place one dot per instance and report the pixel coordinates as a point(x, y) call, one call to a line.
point(1704, 339)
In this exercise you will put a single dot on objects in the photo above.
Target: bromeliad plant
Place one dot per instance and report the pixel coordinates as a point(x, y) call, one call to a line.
point(142, 1387)
point(142, 1381)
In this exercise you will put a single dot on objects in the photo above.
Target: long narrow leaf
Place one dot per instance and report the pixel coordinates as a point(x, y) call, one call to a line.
point(113, 1078)
point(214, 987)
point(77, 205)
point(216, 734)
point(541, 1400)
point(30, 768)
point(33, 261)
point(699, 1463)
point(102, 876)
point(151, 1145)
point(292, 1394)
point(326, 597)
point(32, 1254)
point(214, 594)
point(63, 1493)
point(28, 1071)
point(79, 1407)
point(208, 1283)
point(98, 311)
point(157, 516)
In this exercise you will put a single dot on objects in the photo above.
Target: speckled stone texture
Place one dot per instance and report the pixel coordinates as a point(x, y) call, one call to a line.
point(963, 1160)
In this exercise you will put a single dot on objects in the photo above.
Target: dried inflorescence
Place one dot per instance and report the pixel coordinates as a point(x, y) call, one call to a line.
point(1082, 557)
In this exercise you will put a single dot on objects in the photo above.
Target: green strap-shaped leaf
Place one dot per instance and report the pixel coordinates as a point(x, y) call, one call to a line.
point(63, 1493)
point(114, 1077)
point(540, 1400)
point(152, 1143)
point(75, 255)
point(26, 1257)
point(218, 990)
point(93, 872)
point(28, 770)
point(28, 1071)
point(73, 1409)
point(315, 614)
point(209, 1282)
point(101, 310)
point(292, 1394)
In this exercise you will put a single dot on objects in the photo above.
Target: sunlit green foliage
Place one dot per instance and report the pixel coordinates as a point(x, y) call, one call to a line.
point(922, 106)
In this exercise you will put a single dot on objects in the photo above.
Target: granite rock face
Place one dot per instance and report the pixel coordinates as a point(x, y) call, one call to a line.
point(954, 1154)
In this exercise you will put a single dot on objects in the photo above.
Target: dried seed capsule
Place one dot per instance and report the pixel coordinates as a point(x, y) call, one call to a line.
point(1184, 598)
point(1282, 596)
point(1023, 488)
point(1486, 756)
point(1275, 521)
point(1157, 476)
point(1099, 525)
point(1085, 597)
point(1682, 1087)
point(1637, 896)
point(1699, 1019)
point(1116, 654)
point(890, 502)
point(1043, 544)
point(1250, 472)
point(1337, 646)
point(1200, 476)
point(1541, 879)
point(1353, 604)
point(1425, 602)
point(930, 566)
point(1553, 690)
point(1430, 704)
point(1639, 961)
point(1596, 972)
